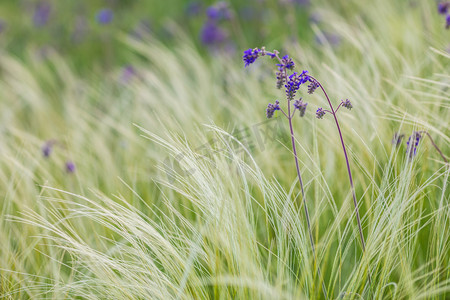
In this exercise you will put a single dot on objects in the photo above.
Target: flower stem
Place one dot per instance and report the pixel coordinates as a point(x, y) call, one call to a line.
point(361, 235)
point(294, 149)
point(435, 146)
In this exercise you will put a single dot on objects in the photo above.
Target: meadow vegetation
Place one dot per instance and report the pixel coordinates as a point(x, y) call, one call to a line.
point(182, 189)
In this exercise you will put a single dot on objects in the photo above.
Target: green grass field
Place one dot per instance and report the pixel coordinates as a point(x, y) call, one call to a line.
point(182, 188)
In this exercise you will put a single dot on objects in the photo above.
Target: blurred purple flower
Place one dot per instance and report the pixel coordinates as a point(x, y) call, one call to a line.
point(219, 11)
point(447, 22)
point(397, 139)
point(212, 34)
point(70, 166)
point(443, 7)
point(47, 148)
point(104, 16)
point(42, 14)
point(128, 72)
point(193, 8)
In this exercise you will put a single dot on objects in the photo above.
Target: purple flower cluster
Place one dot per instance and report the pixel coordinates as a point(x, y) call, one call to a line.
point(104, 16)
point(301, 106)
point(412, 143)
point(70, 166)
point(211, 33)
point(294, 82)
point(219, 11)
point(312, 86)
point(347, 104)
point(47, 150)
point(397, 139)
point(42, 14)
point(271, 108)
point(320, 113)
point(287, 62)
point(443, 9)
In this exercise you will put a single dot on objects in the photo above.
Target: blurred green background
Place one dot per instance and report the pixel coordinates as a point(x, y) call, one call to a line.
point(86, 32)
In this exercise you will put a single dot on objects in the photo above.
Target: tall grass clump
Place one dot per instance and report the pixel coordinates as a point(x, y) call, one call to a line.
point(171, 185)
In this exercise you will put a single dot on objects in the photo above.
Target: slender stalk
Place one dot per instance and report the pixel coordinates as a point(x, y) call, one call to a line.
point(435, 146)
point(361, 235)
point(294, 149)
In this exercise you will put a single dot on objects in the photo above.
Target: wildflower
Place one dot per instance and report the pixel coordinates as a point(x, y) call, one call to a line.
point(47, 148)
point(412, 143)
point(397, 139)
point(320, 113)
point(294, 82)
point(347, 104)
point(251, 55)
point(219, 11)
point(42, 14)
point(312, 86)
point(212, 34)
point(105, 16)
point(128, 72)
point(443, 7)
point(271, 108)
point(70, 166)
point(287, 62)
point(447, 22)
point(301, 106)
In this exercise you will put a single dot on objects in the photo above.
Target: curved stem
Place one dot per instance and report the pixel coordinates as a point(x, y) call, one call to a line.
point(294, 149)
point(435, 146)
point(355, 202)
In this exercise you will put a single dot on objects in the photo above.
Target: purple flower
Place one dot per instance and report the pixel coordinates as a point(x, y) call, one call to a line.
point(70, 166)
point(42, 14)
point(412, 143)
point(312, 86)
point(347, 104)
point(271, 108)
point(301, 106)
point(251, 55)
point(294, 82)
point(447, 22)
point(320, 113)
point(128, 73)
point(212, 34)
point(280, 77)
point(443, 7)
point(397, 139)
point(218, 12)
point(104, 16)
point(47, 148)
point(287, 63)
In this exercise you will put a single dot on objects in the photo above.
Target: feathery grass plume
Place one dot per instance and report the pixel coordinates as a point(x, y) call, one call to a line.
point(292, 85)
